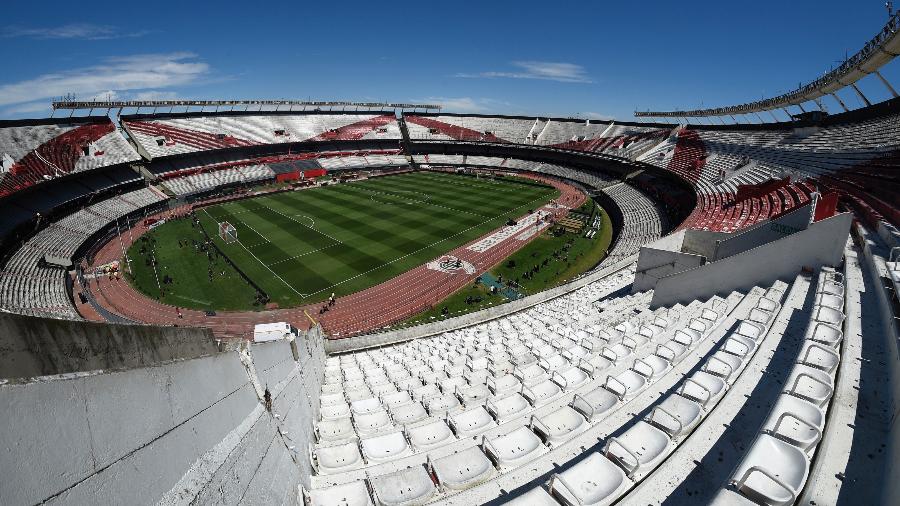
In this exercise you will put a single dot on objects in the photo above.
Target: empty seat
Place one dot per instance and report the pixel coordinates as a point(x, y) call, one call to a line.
point(508, 407)
point(626, 384)
point(592, 405)
point(364, 406)
point(595, 481)
point(797, 421)
point(571, 378)
point(541, 393)
point(534, 497)
point(826, 334)
point(462, 470)
point(341, 410)
point(354, 493)
point(819, 356)
point(384, 448)
point(337, 459)
point(395, 399)
point(559, 426)
point(410, 486)
point(430, 435)
point(515, 448)
point(336, 429)
point(703, 388)
point(473, 395)
point(772, 472)
point(471, 422)
point(811, 384)
point(443, 404)
point(405, 414)
point(640, 447)
point(504, 384)
point(372, 423)
point(676, 415)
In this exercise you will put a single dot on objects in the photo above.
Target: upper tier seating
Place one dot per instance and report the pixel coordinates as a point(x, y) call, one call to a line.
point(164, 136)
point(32, 153)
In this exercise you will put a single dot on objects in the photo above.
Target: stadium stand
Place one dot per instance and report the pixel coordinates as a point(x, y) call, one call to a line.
point(34, 151)
point(588, 393)
point(161, 136)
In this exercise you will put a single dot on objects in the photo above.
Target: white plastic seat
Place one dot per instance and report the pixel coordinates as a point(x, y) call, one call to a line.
point(592, 405)
point(407, 487)
point(383, 389)
point(676, 415)
point(473, 395)
point(408, 383)
point(508, 407)
point(828, 315)
point(358, 394)
point(515, 448)
point(819, 356)
point(750, 329)
point(651, 366)
point(617, 352)
point(595, 364)
point(640, 447)
point(332, 388)
point(796, 421)
point(703, 388)
point(425, 392)
point(671, 350)
point(534, 497)
point(541, 393)
point(443, 405)
point(364, 406)
point(331, 399)
point(337, 459)
point(768, 305)
point(503, 384)
point(335, 429)
point(408, 413)
point(463, 470)
point(553, 363)
point(772, 472)
point(830, 300)
point(559, 426)
point(334, 411)
point(832, 287)
point(626, 384)
point(384, 448)
point(471, 422)
point(826, 334)
point(354, 493)
point(395, 399)
point(448, 386)
point(371, 423)
point(430, 435)
point(595, 481)
point(811, 384)
point(723, 365)
point(571, 378)
point(530, 374)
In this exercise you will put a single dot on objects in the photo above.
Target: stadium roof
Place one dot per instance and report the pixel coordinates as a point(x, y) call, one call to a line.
point(876, 53)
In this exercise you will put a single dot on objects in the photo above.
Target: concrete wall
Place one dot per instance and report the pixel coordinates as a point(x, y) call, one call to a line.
point(31, 347)
point(654, 264)
point(820, 244)
point(187, 430)
point(702, 242)
point(764, 232)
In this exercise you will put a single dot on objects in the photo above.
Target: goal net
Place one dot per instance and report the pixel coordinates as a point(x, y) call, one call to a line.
point(227, 232)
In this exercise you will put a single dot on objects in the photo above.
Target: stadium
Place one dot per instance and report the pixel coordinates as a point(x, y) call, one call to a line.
point(377, 303)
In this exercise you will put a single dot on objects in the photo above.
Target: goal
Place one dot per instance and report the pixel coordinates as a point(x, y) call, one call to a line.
point(227, 232)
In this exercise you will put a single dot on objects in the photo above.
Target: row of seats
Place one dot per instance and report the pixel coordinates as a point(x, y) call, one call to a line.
point(27, 287)
point(31, 154)
point(205, 181)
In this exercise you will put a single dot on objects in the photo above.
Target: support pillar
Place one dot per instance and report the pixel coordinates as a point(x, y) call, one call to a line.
point(818, 102)
point(886, 84)
point(801, 107)
point(773, 116)
point(844, 106)
point(861, 96)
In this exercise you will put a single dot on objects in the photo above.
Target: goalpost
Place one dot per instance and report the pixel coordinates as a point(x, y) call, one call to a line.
point(227, 232)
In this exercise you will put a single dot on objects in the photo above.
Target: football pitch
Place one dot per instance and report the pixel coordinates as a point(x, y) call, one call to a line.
point(300, 247)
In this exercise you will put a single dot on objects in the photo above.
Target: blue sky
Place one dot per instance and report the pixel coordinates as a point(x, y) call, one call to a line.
point(597, 59)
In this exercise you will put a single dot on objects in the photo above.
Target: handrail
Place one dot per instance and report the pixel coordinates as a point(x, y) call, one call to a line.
point(663, 427)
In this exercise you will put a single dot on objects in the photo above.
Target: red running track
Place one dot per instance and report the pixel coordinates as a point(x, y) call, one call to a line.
point(361, 312)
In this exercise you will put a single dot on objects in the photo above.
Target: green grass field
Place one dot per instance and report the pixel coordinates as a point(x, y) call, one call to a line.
point(299, 247)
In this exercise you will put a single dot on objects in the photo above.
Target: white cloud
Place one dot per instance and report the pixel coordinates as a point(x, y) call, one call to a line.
point(28, 108)
point(549, 71)
point(114, 75)
point(85, 31)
